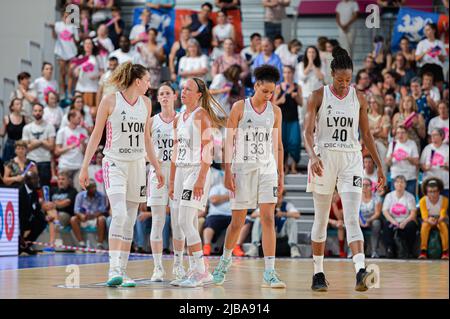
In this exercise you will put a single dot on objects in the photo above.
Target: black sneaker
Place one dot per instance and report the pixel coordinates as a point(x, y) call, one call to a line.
point(319, 283)
point(361, 280)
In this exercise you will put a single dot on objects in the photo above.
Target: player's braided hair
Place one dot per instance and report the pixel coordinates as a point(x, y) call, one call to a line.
point(341, 60)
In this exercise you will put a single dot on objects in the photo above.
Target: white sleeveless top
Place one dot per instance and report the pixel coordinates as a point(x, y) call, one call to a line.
point(189, 150)
point(254, 141)
point(162, 136)
point(337, 122)
point(125, 127)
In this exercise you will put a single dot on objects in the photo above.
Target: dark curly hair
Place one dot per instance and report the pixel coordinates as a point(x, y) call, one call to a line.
point(341, 60)
point(267, 73)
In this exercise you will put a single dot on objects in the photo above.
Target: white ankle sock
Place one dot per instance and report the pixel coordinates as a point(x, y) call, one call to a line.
point(269, 263)
point(157, 259)
point(124, 259)
point(227, 253)
point(114, 259)
point(178, 257)
point(359, 261)
point(318, 264)
point(199, 261)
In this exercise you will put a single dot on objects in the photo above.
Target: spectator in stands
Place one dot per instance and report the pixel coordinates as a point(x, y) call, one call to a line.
point(274, 13)
point(116, 27)
point(201, 26)
point(403, 159)
point(286, 216)
point(227, 88)
point(369, 67)
point(104, 45)
point(32, 220)
point(370, 172)
point(423, 100)
point(143, 229)
point(53, 113)
point(193, 64)
point(152, 56)
point(408, 52)
point(90, 209)
point(336, 220)
point(431, 54)
point(370, 213)
point(104, 86)
point(289, 98)
point(78, 105)
point(59, 210)
point(71, 142)
point(346, 15)
point(220, 32)
point(160, 4)
point(433, 208)
point(45, 84)
point(95, 171)
point(101, 10)
point(250, 53)
point(227, 5)
point(227, 59)
point(390, 7)
point(390, 79)
point(364, 85)
point(400, 66)
point(399, 209)
point(434, 159)
point(411, 119)
point(138, 34)
point(88, 74)
point(85, 23)
point(289, 53)
point(390, 103)
point(26, 94)
point(178, 50)
point(267, 56)
point(67, 37)
point(278, 40)
point(429, 88)
point(13, 125)
point(381, 54)
point(18, 166)
point(325, 53)
point(218, 219)
point(40, 138)
point(441, 121)
point(309, 72)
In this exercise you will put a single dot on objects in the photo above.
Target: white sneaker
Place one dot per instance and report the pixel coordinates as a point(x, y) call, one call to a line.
point(127, 281)
point(253, 251)
point(295, 252)
point(197, 279)
point(178, 271)
point(158, 274)
point(179, 277)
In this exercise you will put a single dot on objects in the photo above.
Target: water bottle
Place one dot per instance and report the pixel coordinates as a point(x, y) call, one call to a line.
point(46, 191)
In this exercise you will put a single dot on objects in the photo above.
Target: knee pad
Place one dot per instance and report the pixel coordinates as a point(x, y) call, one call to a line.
point(177, 231)
point(186, 218)
point(118, 216)
point(322, 206)
point(351, 203)
point(158, 221)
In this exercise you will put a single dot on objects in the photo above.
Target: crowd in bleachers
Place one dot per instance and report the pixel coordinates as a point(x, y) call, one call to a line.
point(51, 118)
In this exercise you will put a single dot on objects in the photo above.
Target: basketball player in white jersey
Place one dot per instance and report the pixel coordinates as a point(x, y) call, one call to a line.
point(158, 198)
point(126, 115)
point(190, 172)
point(336, 117)
point(254, 170)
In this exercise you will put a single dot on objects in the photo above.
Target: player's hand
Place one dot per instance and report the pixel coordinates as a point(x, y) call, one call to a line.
point(316, 166)
point(160, 178)
point(381, 179)
point(229, 181)
point(83, 179)
point(171, 189)
point(198, 188)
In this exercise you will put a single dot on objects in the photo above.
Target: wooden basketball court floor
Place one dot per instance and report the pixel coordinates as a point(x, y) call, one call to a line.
point(45, 276)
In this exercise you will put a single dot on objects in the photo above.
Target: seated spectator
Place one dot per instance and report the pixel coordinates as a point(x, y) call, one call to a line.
point(403, 159)
point(430, 89)
point(409, 53)
point(26, 94)
point(309, 72)
point(116, 27)
point(289, 53)
point(390, 79)
point(78, 105)
point(227, 88)
point(40, 138)
point(90, 209)
point(250, 53)
point(289, 98)
point(218, 219)
point(95, 171)
point(104, 45)
point(143, 229)
point(227, 59)
point(138, 33)
point(381, 54)
point(423, 101)
point(399, 209)
point(18, 166)
point(267, 56)
point(370, 172)
point(71, 142)
point(278, 41)
point(410, 118)
point(160, 4)
point(59, 210)
point(369, 218)
point(201, 27)
point(194, 64)
point(336, 220)
point(101, 10)
point(433, 208)
point(53, 113)
point(227, 4)
point(434, 159)
point(124, 53)
point(178, 50)
point(400, 67)
point(370, 68)
point(45, 84)
point(286, 216)
point(104, 86)
point(13, 125)
point(221, 31)
point(441, 121)
point(32, 221)
point(364, 84)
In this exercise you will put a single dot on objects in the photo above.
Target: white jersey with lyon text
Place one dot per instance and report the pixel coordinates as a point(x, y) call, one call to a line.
point(253, 147)
point(162, 136)
point(189, 150)
point(125, 128)
point(337, 122)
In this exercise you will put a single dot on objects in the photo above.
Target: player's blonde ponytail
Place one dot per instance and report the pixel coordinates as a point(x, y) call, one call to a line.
point(124, 76)
point(209, 103)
